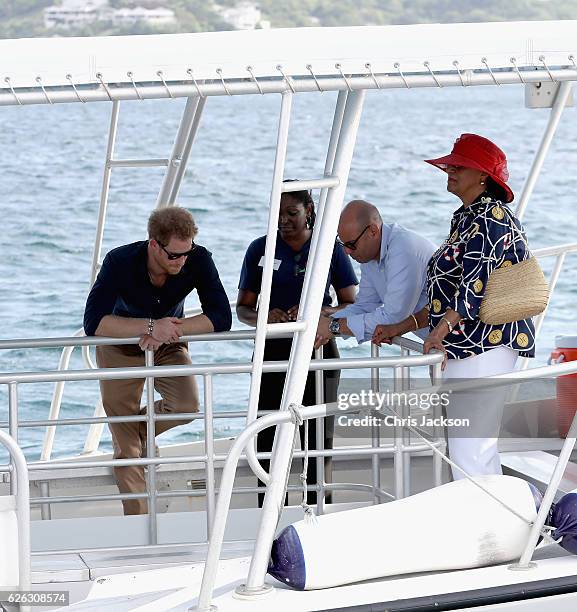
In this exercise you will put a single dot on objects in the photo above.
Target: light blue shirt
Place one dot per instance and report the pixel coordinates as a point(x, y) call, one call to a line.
point(393, 287)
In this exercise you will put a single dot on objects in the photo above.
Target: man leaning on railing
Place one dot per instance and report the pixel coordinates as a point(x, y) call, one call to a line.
point(393, 274)
point(140, 291)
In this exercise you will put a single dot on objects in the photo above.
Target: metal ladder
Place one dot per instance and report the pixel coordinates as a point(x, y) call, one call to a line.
point(333, 184)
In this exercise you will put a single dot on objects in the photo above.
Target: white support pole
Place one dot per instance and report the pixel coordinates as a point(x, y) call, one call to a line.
point(95, 430)
point(398, 457)
point(266, 283)
point(65, 359)
point(50, 432)
point(329, 163)
point(552, 284)
point(524, 364)
point(210, 478)
point(564, 456)
point(56, 402)
point(406, 412)
point(13, 428)
point(150, 450)
point(20, 475)
point(320, 437)
point(185, 134)
point(375, 432)
point(556, 111)
point(186, 152)
point(438, 432)
point(302, 347)
point(105, 190)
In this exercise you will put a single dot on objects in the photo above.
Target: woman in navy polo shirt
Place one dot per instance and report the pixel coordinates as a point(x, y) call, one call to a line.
point(296, 220)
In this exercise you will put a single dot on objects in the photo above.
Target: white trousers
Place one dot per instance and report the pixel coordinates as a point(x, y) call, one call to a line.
point(475, 448)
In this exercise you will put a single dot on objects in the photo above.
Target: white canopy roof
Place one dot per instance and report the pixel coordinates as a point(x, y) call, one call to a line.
point(52, 59)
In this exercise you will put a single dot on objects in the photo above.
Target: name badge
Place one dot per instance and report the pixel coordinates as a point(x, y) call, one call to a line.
point(276, 263)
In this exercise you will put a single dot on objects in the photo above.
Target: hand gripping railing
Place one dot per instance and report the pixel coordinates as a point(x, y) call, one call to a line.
point(13, 380)
point(95, 432)
point(19, 470)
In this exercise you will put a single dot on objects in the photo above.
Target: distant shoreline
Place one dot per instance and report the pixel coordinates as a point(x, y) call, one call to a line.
point(27, 18)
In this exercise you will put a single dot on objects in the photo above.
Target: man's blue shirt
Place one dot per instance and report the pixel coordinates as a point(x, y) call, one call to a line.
point(123, 288)
point(393, 287)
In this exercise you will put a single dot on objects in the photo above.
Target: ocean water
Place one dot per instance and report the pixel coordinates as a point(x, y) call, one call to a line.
point(52, 164)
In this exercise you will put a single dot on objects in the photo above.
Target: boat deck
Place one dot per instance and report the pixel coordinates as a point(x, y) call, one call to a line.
point(171, 581)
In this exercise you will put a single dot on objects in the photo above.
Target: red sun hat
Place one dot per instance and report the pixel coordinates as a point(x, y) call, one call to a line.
point(473, 151)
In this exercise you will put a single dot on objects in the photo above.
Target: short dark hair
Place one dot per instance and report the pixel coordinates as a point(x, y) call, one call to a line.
point(171, 221)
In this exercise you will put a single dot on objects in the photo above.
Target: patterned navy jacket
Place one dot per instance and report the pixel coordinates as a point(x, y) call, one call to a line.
point(483, 237)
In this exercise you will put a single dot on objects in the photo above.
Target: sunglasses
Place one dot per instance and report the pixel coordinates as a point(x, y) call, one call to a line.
point(172, 256)
point(352, 244)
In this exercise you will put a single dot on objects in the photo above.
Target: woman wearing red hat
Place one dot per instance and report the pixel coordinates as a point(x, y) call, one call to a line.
point(484, 235)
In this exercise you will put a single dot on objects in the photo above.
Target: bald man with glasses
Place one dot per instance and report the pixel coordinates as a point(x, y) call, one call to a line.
point(140, 291)
point(393, 274)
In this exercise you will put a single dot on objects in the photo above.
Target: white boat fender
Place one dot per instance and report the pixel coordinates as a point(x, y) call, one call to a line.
point(454, 526)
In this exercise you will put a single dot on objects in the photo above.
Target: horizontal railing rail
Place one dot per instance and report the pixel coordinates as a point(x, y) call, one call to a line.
point(223, 368)
point(227, 479)
point(354, 81)
point(209, 458)
point(68, 344)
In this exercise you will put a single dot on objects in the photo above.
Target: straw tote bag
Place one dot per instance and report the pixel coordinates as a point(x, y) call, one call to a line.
point(514, 293)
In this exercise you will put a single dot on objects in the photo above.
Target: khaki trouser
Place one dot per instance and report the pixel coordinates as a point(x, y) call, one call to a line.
point(123, 397)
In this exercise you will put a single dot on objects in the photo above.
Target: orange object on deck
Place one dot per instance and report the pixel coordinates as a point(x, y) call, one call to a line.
point(566, 350)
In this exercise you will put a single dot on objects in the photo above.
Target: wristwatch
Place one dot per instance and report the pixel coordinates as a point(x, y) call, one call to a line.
point(335, 327)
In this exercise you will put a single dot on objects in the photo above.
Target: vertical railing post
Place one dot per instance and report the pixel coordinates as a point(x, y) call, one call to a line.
point(375, 433)
point(55, 404)
point(266, 283)
point(151, 450)
point(438, 432)
point(182, 146)
point(564, 456)
point(556, 112)
point(209, 452)
point(398, 455)
point(406, 413)
point(320, 435)
point(13, 428)
point(19, 472)
point(556, 272)
point(329, 163)
point(301, 349)
point(105, 191)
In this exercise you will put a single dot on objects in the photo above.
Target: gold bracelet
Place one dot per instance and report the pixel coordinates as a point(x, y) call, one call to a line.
point(449, 324)
point(416, 322)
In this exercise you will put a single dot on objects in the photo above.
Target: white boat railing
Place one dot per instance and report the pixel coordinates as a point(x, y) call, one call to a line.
point(95, 432)
point(263, 545)
point(559, 252)
point(218, 517)
point(19, 488)
point(399, 449)
point(357, 78)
